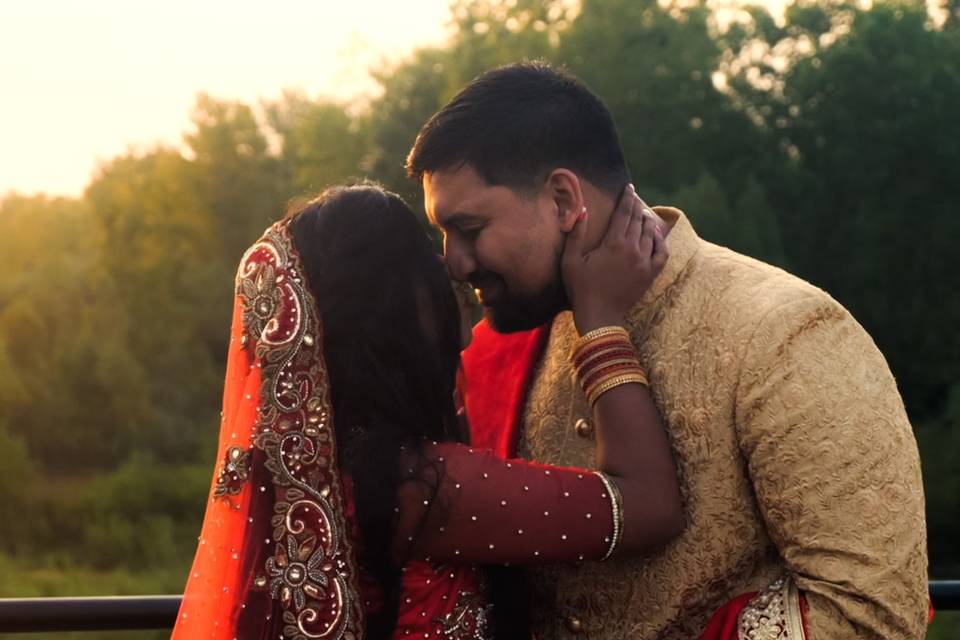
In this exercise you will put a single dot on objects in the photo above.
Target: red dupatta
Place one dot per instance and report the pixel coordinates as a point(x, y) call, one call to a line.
point(274, 559)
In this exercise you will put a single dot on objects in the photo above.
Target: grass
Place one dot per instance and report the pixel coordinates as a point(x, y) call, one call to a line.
point(21, 579)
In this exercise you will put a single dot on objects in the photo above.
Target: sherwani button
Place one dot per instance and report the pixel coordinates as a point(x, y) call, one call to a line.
point(574, 624)
point(584, 428)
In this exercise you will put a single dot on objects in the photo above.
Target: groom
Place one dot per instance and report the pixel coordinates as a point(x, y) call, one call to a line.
point(801, 477)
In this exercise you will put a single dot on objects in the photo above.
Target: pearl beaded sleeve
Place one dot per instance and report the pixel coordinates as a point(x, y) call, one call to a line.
point(490, 510)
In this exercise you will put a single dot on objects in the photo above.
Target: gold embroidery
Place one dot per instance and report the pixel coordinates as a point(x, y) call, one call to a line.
point(774, 448)
point(312, 571)
point(773, 614)
point(233, 472)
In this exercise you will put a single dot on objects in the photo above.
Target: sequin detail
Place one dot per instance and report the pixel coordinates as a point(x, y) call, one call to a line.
point(773, 614)
point(312, 571)
point(233, 472)
point(469, 620)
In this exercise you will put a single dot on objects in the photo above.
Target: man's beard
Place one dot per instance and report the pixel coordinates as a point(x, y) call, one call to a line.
point(520, 313)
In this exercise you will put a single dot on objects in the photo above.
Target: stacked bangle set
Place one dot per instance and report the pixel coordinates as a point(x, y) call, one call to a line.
point(605, 358)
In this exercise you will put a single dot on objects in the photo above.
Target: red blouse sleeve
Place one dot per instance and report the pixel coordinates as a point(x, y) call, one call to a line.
point(491, 510)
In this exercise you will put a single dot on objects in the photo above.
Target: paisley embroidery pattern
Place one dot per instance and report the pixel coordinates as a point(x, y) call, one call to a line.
point(773, 614)
point(469, 620)
point(312, 571)
point(233, 472)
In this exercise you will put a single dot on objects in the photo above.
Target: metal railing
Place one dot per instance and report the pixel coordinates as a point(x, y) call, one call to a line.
point(113, 613)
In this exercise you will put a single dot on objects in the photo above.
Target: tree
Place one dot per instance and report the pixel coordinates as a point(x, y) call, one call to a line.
point(873, 123)
point(321, 143)
point(71, 389)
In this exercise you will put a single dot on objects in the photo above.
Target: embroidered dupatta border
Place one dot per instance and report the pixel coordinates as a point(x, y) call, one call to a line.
point(312, 571)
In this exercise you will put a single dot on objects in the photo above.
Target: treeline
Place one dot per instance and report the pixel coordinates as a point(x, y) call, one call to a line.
point(828, 144)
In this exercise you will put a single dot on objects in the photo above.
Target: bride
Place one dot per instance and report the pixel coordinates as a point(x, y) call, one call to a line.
point(347, 502)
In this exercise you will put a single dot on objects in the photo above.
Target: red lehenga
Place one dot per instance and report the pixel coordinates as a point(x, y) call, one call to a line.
point(278, 554)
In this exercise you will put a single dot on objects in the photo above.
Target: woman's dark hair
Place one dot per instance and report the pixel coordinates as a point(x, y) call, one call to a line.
point(517, 123)
point(392, 344)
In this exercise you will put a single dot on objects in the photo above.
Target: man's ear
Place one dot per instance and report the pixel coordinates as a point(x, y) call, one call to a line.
point(563, 187)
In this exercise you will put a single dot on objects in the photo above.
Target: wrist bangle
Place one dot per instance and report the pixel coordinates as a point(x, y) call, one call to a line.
point(610, 368)
point(612, 330)
point(616, 510)
point(606, 358)
point(636, 377)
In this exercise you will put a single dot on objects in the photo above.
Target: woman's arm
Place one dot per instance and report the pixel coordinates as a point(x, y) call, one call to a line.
point(632, 443)
point(493, 511)
point(490, 510)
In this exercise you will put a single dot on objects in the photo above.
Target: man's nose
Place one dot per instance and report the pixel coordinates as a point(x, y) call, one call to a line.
point(460, 260)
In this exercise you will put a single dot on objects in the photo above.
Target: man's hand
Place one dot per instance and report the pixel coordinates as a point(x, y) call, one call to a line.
point(604, 283)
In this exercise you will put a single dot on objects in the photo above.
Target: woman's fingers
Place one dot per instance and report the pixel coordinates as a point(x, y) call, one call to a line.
point(635, 228)
point(622, 215)
point(574, 248)
point(659, 249)
point(646, 240)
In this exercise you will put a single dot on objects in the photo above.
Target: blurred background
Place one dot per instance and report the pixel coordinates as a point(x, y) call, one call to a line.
point(144, 146)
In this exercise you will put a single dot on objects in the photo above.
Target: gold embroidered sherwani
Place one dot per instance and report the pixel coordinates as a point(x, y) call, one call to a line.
point(793, 448)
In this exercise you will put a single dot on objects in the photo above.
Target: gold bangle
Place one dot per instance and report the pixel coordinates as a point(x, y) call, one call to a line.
point(613, 330)
point(592, 381)
point(617, 379)
point(612, 377)
point(616, 510)
point(585, 372)
point(604, 331)
point(606, 352)
point(597, 390)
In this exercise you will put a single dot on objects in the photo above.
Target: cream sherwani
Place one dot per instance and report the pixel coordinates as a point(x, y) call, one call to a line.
point(795, 455)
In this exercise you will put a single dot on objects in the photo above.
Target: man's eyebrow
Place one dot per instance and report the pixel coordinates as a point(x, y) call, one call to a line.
point(461, 219)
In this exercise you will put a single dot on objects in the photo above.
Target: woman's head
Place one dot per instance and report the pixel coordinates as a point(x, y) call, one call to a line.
point(391, 326)
point(390, 318)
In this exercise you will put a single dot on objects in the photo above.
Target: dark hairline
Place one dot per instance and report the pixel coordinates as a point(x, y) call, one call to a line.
point(428, 155)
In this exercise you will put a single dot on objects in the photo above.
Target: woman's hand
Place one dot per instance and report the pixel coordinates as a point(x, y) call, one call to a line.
point(604, 283)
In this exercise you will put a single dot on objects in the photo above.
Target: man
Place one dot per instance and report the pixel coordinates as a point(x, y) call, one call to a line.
point(800, 472)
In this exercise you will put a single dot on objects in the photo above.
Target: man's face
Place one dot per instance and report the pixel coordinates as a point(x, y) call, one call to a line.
point(506, 245)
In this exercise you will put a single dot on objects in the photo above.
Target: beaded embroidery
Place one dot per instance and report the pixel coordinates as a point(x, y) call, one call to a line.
point(312, 571)
point(469, 620)
point(233, 472)
point(773, 614)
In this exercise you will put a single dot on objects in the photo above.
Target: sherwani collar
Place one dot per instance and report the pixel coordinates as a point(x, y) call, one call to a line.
point(683, 243)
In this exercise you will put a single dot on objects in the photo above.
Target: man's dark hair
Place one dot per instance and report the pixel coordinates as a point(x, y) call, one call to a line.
point(516, 124)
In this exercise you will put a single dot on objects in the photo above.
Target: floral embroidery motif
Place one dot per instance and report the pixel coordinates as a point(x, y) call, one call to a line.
point(469, 620)
point(293, 577)
point(773, 614)
point(312, 571)
point(233, 473)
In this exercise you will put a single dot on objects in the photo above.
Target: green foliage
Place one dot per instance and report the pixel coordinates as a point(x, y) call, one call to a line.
point(142, 516)
point(68, 375)
point(830, 147)
point(653, 67)
point(322, 143)
point(873, 120)
point(939, 442)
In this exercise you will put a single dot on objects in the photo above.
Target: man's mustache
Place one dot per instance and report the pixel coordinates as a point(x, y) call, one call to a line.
point(480, 279)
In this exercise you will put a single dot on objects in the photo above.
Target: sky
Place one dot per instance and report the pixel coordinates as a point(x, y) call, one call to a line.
point(82, 81)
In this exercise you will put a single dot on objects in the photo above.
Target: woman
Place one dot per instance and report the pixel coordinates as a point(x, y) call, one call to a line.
point(347, 504)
